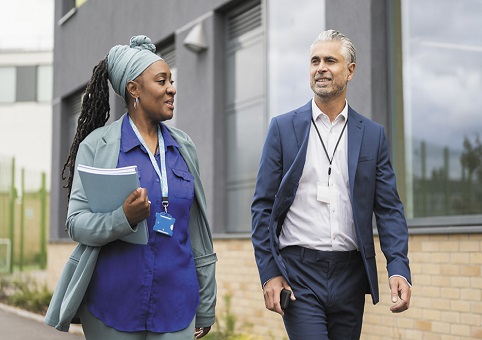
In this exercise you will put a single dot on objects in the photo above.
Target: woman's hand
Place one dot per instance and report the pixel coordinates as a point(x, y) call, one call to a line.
point(200, 332)
point(137, 206)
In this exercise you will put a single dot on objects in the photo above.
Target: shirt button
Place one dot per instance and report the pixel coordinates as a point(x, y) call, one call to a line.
point(333, 210)
point(157, 180)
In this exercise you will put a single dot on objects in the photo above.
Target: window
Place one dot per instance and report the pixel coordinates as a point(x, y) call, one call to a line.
point(260, 85)
point(69, 7)
point(26, 83)
point(73, 105)
point(44, 83)
point(442, 76)
point(288, 53)
point(244, 109)
point(8, 84)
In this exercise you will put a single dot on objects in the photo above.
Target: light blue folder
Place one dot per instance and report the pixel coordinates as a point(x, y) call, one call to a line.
point(107, 189)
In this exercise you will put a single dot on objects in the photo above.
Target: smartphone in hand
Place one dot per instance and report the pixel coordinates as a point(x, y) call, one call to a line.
point(285, 298)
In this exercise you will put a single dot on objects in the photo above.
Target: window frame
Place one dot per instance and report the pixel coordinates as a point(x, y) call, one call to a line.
point(452, 224)
point(238, 37)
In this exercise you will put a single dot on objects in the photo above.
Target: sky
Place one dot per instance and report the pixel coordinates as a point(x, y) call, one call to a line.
point(27, 24)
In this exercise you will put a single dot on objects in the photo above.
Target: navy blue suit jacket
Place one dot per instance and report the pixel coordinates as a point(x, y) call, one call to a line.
point(372, 189)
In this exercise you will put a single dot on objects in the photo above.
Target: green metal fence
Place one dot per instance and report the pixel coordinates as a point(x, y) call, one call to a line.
point(24, 202)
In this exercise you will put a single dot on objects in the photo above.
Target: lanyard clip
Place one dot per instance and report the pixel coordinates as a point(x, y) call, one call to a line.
point(165, 203)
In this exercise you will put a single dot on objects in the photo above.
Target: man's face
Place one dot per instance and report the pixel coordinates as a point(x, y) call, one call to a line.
point(329, 71)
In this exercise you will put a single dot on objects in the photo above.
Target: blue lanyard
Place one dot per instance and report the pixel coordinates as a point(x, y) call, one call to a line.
point(162, 153)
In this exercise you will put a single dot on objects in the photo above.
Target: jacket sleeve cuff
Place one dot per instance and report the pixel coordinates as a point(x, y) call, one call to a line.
point(204, 320)
point(403, 277)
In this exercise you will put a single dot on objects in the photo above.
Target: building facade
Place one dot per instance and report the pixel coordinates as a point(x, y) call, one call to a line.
point(26, 107)
point(236, 64)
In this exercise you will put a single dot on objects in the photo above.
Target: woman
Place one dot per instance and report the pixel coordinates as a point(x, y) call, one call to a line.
point(165, 289)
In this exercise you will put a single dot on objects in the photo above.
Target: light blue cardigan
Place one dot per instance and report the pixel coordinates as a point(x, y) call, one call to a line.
point(91, 231)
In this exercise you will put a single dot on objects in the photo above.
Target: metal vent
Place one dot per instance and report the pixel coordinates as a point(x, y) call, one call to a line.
point(72, 108)
point(168, 53)
point(244, 20)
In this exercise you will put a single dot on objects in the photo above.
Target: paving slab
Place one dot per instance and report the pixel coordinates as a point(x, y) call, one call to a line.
point(17, 324)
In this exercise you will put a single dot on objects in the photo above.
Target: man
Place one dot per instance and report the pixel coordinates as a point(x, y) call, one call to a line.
point(324, 171)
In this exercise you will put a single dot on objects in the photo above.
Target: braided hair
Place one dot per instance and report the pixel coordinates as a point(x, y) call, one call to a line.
point(94, 113)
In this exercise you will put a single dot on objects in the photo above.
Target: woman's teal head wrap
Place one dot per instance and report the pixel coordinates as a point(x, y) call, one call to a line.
point(126, 63)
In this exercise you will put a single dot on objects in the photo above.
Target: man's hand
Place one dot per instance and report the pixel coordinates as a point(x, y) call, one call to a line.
point(200, 332)
point(401, 293)
point(272, 290)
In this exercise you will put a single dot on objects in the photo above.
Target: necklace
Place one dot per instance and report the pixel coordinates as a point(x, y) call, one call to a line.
point(154, 140)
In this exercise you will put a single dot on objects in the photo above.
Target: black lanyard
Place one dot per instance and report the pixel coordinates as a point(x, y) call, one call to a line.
point(324, 148)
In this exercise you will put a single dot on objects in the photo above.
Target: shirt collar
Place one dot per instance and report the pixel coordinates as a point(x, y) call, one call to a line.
point(317, 112)
point(130, 140)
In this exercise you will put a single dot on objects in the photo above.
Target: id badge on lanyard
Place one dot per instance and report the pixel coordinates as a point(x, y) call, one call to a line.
point(164, 222)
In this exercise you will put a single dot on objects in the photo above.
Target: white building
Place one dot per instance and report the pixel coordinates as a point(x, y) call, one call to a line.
point(26, 57)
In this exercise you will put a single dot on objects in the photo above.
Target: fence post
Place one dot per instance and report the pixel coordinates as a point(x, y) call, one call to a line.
point(22, 219)
point(13, 196)
point(43, 223)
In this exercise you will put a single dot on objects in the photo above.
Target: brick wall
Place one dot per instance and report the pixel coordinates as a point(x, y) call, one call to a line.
point(237, 276)
point(446, 296)
point(57, 256)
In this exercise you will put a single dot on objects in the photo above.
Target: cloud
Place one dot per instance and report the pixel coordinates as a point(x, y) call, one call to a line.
point(27, 25)
point(442, 71)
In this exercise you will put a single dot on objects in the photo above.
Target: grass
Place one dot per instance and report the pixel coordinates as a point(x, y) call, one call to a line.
point(225, 326)
point(25, 293)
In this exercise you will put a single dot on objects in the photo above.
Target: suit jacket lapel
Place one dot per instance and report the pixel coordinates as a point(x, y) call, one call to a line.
point(355, 134)
point(301, 123)
point(295, 158)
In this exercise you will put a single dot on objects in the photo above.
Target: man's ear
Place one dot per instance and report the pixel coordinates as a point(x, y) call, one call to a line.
point(351, 70)
point(133, 89)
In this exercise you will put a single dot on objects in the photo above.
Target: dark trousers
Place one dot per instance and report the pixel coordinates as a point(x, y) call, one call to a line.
point(330, 290)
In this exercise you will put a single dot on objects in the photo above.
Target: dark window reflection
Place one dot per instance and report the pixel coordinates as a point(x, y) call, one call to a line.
point(442, 43)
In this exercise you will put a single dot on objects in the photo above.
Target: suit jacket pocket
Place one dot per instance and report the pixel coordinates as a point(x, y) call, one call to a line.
point(365, 158)
point(369, 250)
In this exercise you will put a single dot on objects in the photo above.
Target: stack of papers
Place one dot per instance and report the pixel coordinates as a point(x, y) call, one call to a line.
point(107, 189)
point(128, 170)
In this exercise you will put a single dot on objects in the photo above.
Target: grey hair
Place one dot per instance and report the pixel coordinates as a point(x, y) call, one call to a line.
point(347, 48)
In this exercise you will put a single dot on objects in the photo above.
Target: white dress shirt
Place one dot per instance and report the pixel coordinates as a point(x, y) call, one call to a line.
point(313, 221)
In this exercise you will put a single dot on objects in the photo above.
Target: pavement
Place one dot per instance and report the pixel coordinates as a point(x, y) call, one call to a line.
point(17, 324)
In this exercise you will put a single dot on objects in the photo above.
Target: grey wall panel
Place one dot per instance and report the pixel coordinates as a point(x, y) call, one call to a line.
point(364, 22)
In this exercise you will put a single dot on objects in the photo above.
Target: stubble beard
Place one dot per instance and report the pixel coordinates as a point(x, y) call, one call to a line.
point(329, 93)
